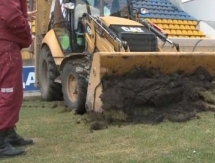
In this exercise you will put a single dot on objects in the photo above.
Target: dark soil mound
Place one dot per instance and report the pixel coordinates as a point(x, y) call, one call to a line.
point(151, 97)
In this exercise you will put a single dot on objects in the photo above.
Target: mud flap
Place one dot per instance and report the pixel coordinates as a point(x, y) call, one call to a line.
point(119, 64)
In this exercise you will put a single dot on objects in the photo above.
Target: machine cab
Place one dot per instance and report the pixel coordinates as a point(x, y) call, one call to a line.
point(66, 19)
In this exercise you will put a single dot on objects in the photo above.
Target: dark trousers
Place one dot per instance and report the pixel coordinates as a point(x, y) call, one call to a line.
point(11, 88)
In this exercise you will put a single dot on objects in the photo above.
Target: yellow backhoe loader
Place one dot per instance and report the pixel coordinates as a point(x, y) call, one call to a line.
point(79, 43)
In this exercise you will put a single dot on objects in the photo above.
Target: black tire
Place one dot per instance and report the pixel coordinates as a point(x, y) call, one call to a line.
point(48, 72)
point(75, 70)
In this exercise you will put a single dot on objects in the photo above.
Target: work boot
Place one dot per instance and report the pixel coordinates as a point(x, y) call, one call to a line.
point(16, 140)
point(6, 150)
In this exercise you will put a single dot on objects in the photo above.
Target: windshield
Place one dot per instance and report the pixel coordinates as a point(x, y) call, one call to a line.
point(109, 7)
point(115, 8)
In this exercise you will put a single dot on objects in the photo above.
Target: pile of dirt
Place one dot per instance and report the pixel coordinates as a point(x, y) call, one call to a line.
point(143, 96)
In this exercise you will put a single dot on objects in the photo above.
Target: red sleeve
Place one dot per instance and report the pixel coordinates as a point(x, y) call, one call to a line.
point(11, 14)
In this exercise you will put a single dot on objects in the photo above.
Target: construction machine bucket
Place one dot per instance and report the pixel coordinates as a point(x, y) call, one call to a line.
point(107, 64)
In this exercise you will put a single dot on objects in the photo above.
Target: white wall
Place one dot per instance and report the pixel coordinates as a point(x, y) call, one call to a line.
point(200, 9)
point(177, 3)
point(206, 29)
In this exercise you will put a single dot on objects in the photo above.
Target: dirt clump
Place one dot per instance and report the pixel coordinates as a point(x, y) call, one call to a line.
point(152, 97)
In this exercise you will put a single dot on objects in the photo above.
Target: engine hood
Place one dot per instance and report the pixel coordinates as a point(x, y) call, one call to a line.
point(138, 37)
point(118, 25)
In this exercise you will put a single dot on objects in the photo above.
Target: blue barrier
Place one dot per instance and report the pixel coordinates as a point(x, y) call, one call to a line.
point(29, 79)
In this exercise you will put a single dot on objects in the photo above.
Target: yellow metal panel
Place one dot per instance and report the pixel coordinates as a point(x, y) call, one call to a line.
point(51, 40)
point(43, 12)
point(167, 62)
point(111, 20)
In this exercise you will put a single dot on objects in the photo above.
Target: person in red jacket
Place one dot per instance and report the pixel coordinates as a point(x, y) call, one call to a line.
point(15, 34)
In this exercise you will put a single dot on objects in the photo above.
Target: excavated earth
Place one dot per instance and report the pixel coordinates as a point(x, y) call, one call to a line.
point(143, 96)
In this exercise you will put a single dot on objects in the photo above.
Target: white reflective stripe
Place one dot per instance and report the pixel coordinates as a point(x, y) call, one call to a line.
point(7, 90)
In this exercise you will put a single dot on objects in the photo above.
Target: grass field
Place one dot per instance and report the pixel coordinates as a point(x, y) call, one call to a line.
point(61, 136)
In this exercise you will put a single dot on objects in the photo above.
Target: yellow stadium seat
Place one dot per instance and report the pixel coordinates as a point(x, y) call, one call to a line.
point(195, 33)
point(175, 21)
point(201, 33)
point(171, 26)
point(167, 31)
point(164, 21)
point(180, 22)
point(182, 27)
point(160, 25)
point(177, 26)
point(194, 23)
point(186, 27)
point(192, 27)
point(153, 20)
point(184, 32)
point(165, 26)
point(178, 32)
point(190, 22)
point(169, 21)
point(159, 21)
point(185, 22)
point(173, 32)
point(189, 33)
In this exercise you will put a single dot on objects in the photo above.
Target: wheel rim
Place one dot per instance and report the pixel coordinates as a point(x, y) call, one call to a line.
point(72, 88)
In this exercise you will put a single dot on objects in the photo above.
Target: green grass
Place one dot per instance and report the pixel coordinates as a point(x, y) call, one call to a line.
point(59, 137)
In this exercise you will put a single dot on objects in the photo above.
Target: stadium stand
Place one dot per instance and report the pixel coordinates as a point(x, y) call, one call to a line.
point(176, 22)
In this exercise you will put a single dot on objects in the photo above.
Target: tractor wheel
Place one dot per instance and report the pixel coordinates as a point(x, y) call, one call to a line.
point(48, 72)
point(75, 83)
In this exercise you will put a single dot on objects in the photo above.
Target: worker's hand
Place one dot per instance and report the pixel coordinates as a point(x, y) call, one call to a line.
point(32, 15)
